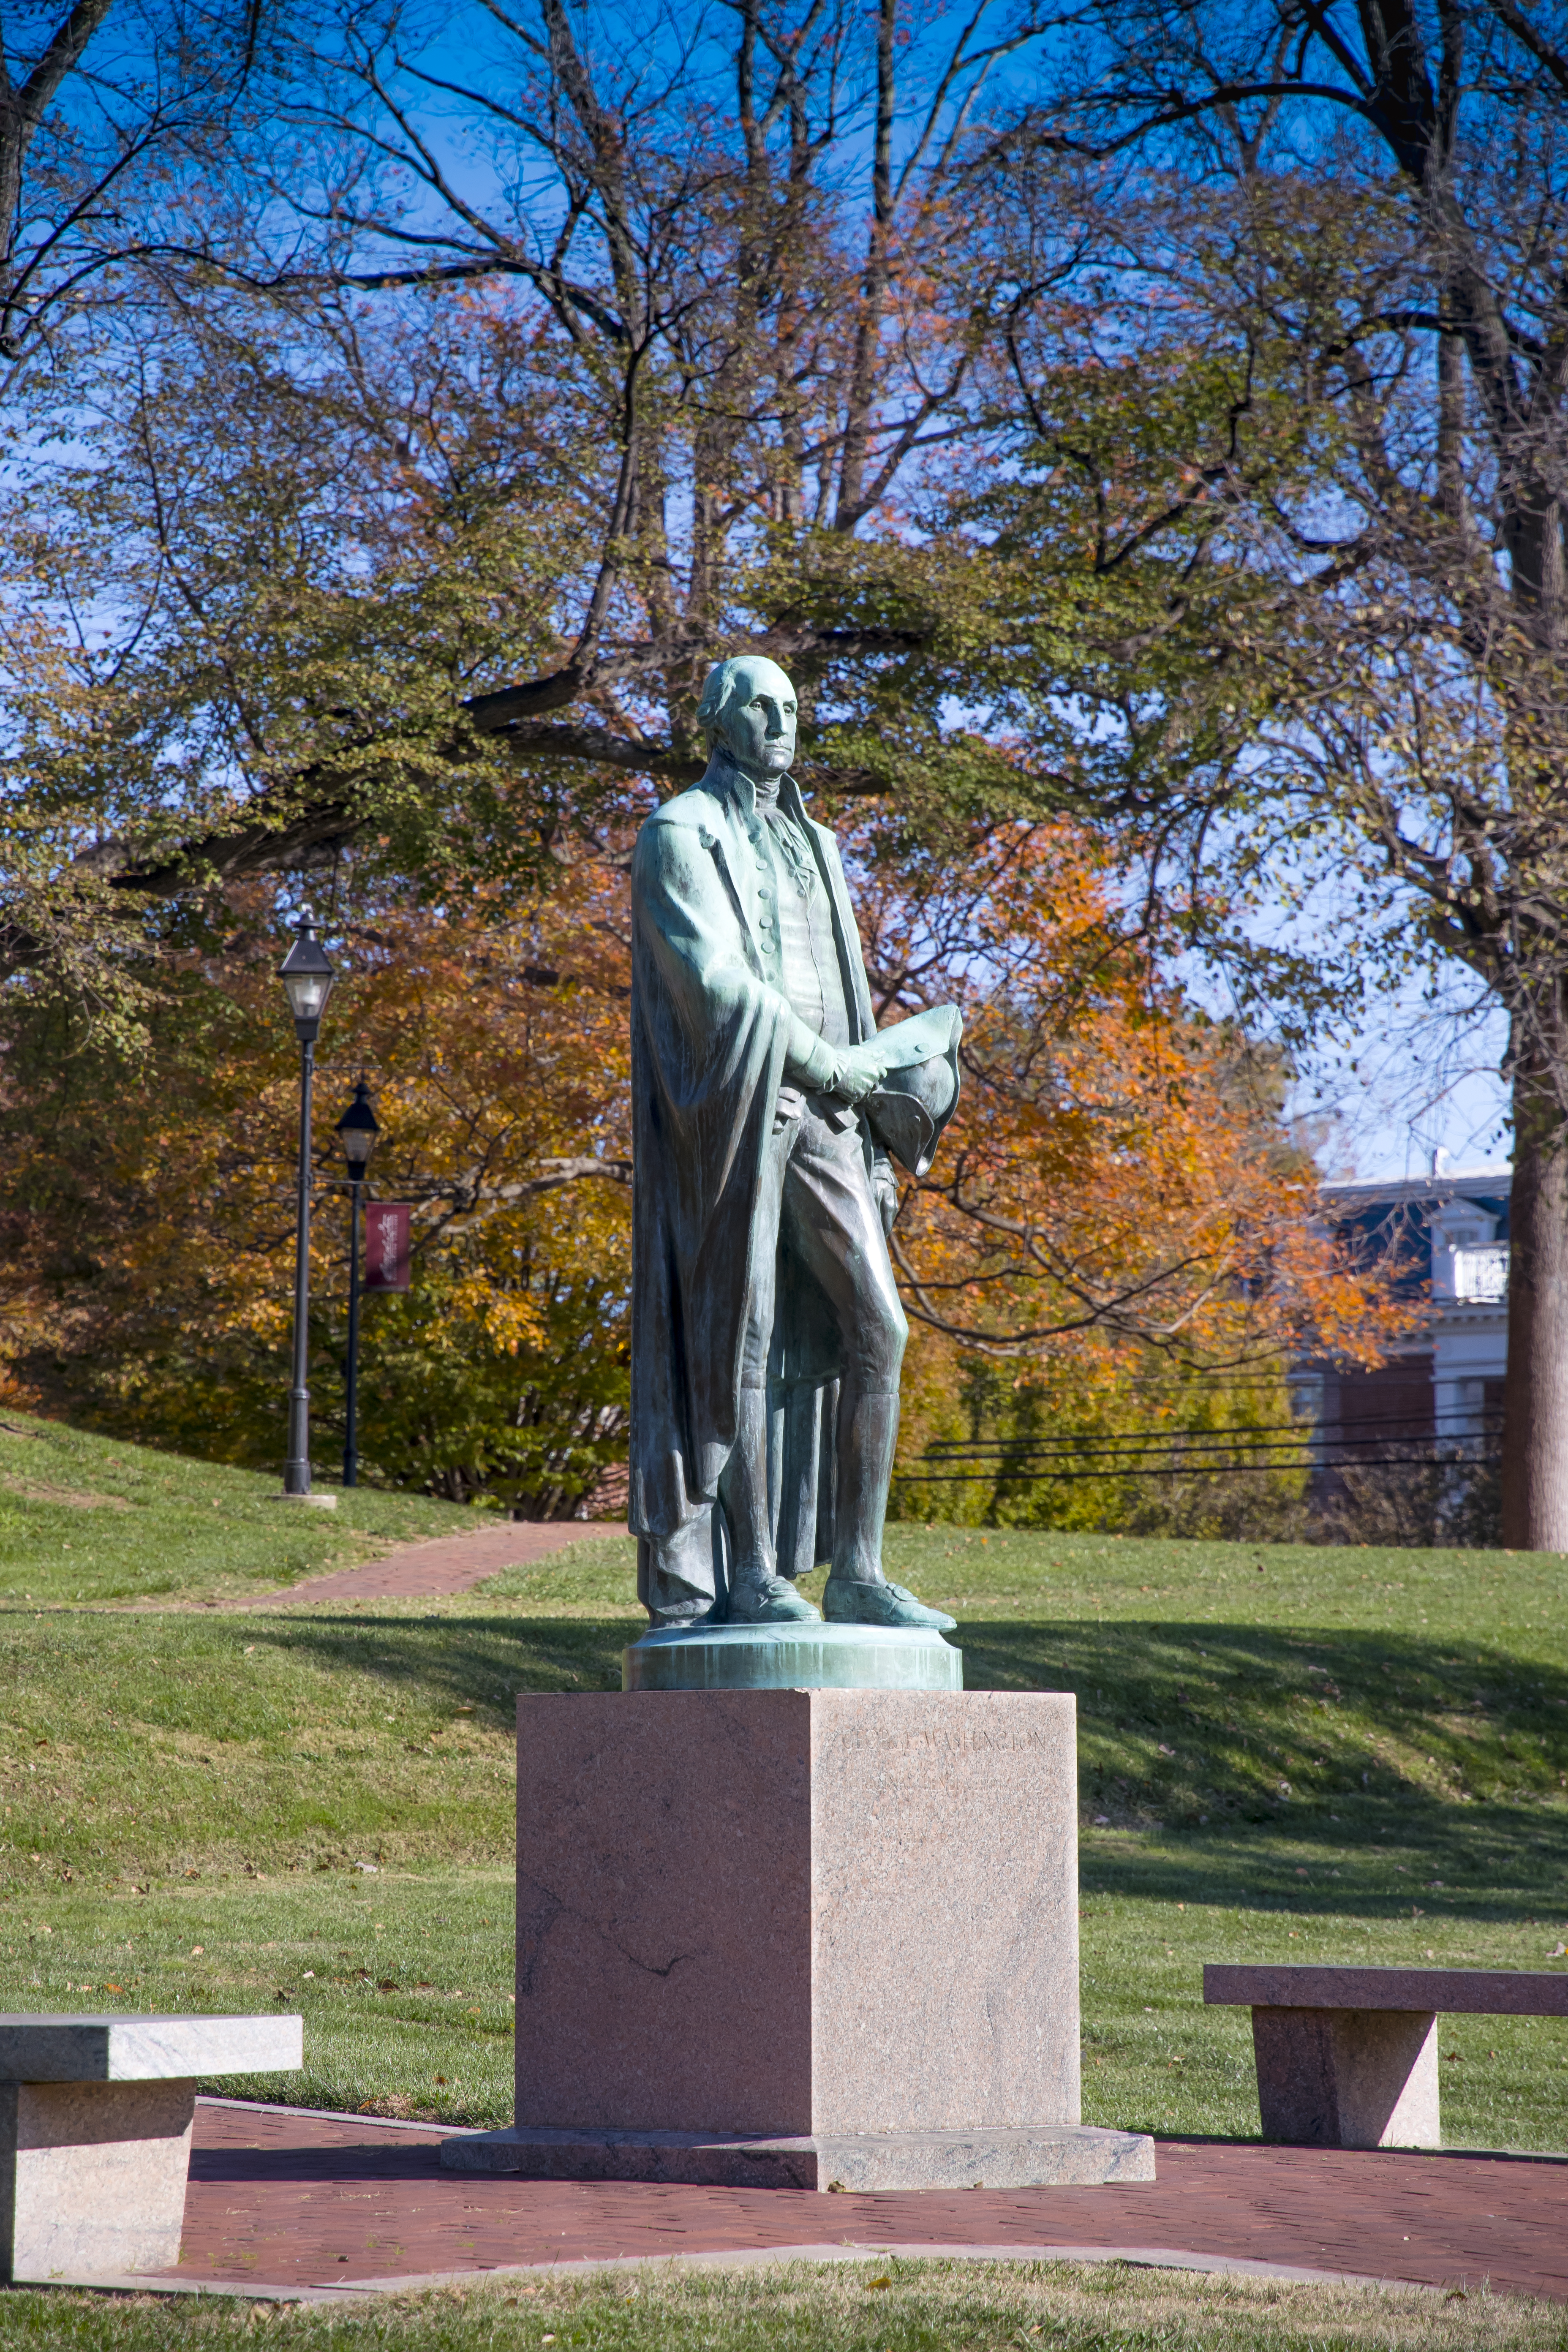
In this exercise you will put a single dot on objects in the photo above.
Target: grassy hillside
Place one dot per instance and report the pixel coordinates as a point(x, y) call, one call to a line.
point(84, 1519)
point(1285, 1753)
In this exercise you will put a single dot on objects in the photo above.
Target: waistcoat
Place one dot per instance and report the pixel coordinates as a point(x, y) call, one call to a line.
point(806, 961)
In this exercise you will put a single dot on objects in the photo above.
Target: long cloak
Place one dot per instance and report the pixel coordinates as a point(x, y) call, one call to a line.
point(709, 1035)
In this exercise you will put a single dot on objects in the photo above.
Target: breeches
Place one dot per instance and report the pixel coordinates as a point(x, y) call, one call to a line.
point(817, 1209)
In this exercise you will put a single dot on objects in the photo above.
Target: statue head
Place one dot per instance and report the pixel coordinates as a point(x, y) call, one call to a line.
point(749, 706)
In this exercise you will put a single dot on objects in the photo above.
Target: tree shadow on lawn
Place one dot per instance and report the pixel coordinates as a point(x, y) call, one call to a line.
point(1271, 1733)
point(481, 1662)
point(1429, 1774)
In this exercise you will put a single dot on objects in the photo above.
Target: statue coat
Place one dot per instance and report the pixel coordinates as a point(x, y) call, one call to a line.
point(709, 1035)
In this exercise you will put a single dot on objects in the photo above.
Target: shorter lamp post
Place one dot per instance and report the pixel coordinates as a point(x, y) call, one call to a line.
point(307, 978)
point(357, 1130)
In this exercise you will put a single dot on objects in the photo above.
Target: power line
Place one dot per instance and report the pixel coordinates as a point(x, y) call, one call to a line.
point(1208, 1453)
point(1002, 1477)
point(1293, 1433)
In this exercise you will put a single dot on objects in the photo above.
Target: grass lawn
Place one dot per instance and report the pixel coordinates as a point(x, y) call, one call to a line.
point(83, 1518)
point(886, 2306)
point(1359, 1755)
point(404, 1981)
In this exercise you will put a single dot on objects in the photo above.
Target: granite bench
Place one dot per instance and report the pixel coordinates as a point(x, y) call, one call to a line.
point(1347, 2057)
point(95, 2132)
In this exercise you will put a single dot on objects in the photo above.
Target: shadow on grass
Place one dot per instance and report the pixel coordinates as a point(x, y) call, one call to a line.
point(1253, 1872)
point(1427, 1775)
point(480, 1662)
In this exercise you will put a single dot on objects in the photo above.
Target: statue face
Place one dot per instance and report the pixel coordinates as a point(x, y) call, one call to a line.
point(758, 721)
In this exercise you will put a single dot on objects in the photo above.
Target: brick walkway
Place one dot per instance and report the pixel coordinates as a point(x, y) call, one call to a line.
point(300, 2200)
point(446, 1564)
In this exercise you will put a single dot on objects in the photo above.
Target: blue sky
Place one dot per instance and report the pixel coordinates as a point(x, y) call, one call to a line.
point(1405, 1086)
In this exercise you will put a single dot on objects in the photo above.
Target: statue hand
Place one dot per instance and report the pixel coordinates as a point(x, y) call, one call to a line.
point(861, 1069)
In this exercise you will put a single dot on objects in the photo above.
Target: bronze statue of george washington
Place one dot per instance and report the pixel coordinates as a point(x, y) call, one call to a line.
point(766, 1329)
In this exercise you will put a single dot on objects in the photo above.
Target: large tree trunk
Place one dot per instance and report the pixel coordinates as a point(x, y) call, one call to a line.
point(1535, 1397)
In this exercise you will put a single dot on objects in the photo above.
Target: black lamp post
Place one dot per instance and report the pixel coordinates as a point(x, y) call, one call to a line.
point(307, 978)
point(357, 1130)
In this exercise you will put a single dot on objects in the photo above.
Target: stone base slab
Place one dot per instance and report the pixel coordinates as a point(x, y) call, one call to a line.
point(1458, 1992)
point(93, 2176)
point(109, 2048)
point(1053, 2156)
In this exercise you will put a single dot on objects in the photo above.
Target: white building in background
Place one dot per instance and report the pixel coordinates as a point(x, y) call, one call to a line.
point(1469, 1310)
point(1446, 1236)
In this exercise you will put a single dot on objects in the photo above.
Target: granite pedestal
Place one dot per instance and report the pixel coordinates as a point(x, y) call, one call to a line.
point(95, 2132)
point(799, 1936)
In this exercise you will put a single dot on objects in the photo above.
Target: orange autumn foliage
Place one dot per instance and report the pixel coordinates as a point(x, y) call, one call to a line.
point(1116, 1169)
point(151, 1281)
point(1114, 1190)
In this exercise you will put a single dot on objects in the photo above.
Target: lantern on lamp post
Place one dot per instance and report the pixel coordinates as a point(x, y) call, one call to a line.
point(356, 1131)
point(307, 977)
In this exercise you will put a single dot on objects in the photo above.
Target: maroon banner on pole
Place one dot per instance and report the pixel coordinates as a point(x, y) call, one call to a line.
point(386, 1245)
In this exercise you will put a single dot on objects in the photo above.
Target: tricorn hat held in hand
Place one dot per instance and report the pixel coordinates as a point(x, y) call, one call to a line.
point(914, 1102)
